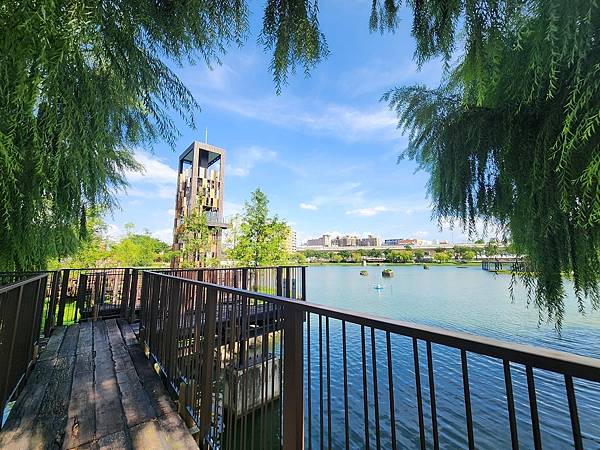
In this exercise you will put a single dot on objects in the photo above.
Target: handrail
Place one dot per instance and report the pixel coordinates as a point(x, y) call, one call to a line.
point(539, 357)
point(21, 307)
point(9, 287)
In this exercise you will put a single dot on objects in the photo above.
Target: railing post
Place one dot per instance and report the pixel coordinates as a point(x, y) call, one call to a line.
point(279, 281)
point(207, 361)
point(288, 283)
point(144, 305)
point(293, 379)
point(81, 291)
point(303, 283)
point(132, 295)
point(51, 315)
point(125, 292)
point(63, 296)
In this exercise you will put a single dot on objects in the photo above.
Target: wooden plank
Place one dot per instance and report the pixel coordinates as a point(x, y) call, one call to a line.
point(70, 341)
point(81, 420)
point(127, 332)
point(18, 429)
point(136, 403)
point(51, 350)
point(109, 413)
point(116, 441)
point(86, 338)
point(50, 425)
point(160, 399)
point(100, 336)
point(148, 435)
point(134, 399)
point(176, 433)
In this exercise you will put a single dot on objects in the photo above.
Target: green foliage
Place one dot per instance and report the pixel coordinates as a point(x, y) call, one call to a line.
point(132, 250)
point(400, 256)
point(259, 240)
point(93, 250)
point(139, 250)
point(491, 248)
point(196, 237)
point(441, 257)
point(84, 82)
point(469, 255)
point(512, 134)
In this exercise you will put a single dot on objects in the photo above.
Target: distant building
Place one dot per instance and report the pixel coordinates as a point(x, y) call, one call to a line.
point(369, 241)
point(344, 241)
point(399, 242)
point(323, 241)
point(290, 242)
point(200, 185)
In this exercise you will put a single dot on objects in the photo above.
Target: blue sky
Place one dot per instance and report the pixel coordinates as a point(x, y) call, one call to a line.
point(324, 150)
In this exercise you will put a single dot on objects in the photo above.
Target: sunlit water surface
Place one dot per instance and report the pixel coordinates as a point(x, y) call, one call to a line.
point(464, 299)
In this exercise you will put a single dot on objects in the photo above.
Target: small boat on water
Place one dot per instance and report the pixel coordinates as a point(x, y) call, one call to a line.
point(364, 273)
point(387, 273)
point(377, 287)
point(425, 266)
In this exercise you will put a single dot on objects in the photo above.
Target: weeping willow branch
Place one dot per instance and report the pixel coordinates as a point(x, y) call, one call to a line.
point(512, 134)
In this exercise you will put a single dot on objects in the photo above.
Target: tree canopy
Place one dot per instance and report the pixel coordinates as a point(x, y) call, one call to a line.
point(257, 238)
point(511, 136)
point(83, 82)
point(131, 250)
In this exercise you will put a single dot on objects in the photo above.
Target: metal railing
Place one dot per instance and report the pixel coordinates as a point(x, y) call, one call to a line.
point(83, 293)
point(21, 311)
point(262, 371)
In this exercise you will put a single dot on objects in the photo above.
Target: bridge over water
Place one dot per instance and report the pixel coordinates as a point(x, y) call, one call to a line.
point(251, 364)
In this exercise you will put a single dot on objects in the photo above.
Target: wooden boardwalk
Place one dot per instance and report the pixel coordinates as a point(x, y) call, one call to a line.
point(93, 388)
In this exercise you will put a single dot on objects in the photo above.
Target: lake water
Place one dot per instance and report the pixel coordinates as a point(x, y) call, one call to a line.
point(465, 299)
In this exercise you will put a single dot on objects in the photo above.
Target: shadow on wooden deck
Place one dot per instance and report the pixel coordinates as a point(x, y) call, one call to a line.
point(93, 388)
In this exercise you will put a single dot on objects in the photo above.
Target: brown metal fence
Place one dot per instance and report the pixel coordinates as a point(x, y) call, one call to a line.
point(261, 371)
point(83, 293)
point(220, 350)
point(21, 311)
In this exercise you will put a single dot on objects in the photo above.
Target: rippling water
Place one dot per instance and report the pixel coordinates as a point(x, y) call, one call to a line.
point(469, 300)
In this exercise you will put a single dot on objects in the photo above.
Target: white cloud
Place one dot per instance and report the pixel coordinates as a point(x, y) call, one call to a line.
point(247, 158)
point(164, 234)
point(343, 121)
point(155, 171)
point(345, 193)
point(309, 206)
point(232, 208)
point(113, 232)
point(368, 212)
point(157, 180)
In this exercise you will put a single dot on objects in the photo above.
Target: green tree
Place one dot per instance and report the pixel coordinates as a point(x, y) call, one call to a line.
point(82, 83)
point(138, 250)
point(196, 237)
point(469, 255)
point(419, 254)
point(491, 249)
point(511, 135)
point(441, 257)
point(93, 247)
point(356, 257)
point(260, 239)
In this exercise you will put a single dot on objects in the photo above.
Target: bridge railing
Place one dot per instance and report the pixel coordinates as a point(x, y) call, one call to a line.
point(76, 294)
point(255, 370)
point(21, 312)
